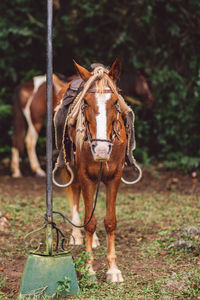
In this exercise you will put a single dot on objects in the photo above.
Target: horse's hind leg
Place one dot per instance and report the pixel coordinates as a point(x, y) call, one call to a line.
point(15, 160)
point(19, 129)
point(113, 274)
point(31, 140)
point(77, 237)
point(73, 197)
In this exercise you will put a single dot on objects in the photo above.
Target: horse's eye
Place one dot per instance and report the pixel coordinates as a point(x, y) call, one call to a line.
point(86, 104)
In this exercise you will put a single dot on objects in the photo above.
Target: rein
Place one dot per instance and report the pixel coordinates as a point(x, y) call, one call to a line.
point(95, 202)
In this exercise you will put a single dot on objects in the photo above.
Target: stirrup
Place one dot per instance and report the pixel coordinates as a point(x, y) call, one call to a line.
point(66, 184)
point(139, 176)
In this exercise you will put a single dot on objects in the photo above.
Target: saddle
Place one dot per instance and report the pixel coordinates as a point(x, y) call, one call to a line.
point(64, 144)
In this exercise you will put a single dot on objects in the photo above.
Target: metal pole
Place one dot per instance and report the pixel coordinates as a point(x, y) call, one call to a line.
point(49, 205)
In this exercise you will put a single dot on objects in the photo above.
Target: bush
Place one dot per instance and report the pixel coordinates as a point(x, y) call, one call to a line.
point(162, 37)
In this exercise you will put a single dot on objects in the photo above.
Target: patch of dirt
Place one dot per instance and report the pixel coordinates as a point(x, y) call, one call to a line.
point(13, 271)
point(157, 180)
point(163, 181)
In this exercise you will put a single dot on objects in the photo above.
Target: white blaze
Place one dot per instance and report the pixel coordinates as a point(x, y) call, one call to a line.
point(101, 118)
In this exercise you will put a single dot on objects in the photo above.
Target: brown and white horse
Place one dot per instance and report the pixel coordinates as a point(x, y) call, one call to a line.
point(29, 108)
point(98, 116)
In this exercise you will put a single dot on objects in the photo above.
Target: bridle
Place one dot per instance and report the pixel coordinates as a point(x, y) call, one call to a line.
point(115, 131)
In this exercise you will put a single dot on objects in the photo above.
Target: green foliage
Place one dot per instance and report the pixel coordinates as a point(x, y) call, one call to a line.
point(63, 288)
point(5, 120)
point(184, 163)
point(172, 128)
point(5, 110)
point(162, 37)
point(86, 281)
point(2, 284)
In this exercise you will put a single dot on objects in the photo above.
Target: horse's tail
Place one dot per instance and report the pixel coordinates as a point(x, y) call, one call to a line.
point(19, 122)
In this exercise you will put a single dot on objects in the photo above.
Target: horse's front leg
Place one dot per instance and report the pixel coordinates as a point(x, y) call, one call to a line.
point(77, 237)
point(88, 189)
point(113, 273)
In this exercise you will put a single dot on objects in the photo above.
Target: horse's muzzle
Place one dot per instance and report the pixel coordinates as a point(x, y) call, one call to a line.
point(101, 150)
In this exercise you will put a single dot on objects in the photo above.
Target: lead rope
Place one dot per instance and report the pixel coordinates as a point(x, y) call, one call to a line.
point(95, 202)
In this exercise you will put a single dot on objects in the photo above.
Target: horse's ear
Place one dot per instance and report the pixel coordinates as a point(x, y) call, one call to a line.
point(85, 74)
point(115, 70)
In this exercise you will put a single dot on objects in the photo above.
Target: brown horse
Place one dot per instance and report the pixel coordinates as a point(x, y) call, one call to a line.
point(95, 126)
point(135, 84)
point(29, 108)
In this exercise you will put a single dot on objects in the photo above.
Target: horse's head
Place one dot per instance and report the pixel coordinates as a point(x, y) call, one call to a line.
point(142, 89)
point(100, 108)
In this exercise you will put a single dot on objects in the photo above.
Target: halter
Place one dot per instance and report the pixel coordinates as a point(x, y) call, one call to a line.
point(115, 132)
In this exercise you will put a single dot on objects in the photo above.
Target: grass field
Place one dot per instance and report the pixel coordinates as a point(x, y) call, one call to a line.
point(157, 243)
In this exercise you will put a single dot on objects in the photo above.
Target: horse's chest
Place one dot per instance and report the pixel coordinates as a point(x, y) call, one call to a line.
point(91, 171)
point(86, 163)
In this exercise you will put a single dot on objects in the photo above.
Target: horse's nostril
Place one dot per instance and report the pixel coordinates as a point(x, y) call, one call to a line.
point(109, 149)
point(93, 148)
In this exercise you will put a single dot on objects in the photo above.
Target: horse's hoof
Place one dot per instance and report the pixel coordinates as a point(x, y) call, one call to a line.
point(114, 275)
point(40, 173)
point(17, 175)
point(93, 278)
point(76, 241)
point(92, 274)
point(90, 269)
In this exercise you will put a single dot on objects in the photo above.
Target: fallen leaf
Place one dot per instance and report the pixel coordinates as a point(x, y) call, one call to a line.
point(8, 216)
point(175, 180)
point(138, 239)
